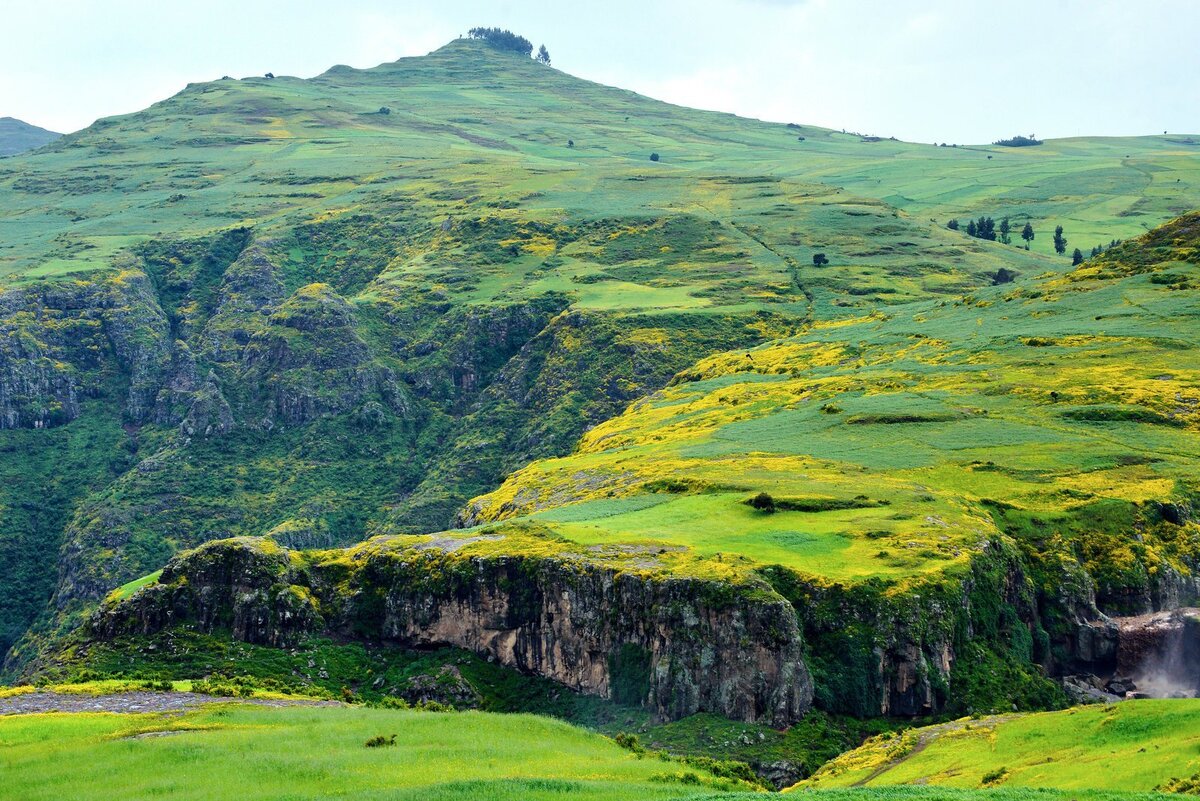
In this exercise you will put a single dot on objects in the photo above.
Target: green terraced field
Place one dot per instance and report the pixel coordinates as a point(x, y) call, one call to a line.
point(894, 443)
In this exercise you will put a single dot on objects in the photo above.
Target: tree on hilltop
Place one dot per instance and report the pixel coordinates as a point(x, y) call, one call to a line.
point(1060, 241)
point(502, 39)
point(543, 56)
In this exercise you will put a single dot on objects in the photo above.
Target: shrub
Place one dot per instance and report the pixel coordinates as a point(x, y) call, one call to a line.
point(630, 742)
point(1188, 785)
point(763, 502)
point(820, 260)
point(991, 777)
point(384, 110)
point(379, 741)
point(654, 157)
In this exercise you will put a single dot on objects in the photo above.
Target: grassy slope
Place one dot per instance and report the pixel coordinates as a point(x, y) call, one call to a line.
point(17, 136)
point(1055, 396)
point(246, 752)
point(467, 121)
point(1132, 746)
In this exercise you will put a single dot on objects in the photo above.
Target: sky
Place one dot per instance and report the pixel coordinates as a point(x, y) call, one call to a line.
point(933, 71)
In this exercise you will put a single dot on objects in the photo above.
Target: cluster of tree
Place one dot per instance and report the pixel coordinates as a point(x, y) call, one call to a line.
point(1019, 141)
point(1098, 249)
point(1077, 257)
point(986, 228)
point(503, 39)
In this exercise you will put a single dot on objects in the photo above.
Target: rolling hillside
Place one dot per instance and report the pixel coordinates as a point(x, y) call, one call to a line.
point(231, 290)
point(437, 354)
point(1139, 746)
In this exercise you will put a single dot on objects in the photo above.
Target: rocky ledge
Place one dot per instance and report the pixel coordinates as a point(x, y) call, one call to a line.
point(675, 645)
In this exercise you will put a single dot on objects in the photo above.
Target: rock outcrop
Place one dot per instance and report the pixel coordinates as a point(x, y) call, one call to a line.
point(678, 646)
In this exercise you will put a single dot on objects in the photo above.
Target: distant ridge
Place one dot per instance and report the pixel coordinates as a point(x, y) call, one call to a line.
point(17, 136)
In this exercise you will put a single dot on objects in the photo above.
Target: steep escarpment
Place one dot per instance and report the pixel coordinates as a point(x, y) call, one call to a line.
point(676, 645)
point(258, 399)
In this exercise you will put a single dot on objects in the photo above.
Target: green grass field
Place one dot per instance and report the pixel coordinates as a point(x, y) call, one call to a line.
point(1135, 746)
point(241, 751)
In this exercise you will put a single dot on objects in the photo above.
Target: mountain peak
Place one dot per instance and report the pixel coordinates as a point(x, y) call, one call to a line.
point(17, 136)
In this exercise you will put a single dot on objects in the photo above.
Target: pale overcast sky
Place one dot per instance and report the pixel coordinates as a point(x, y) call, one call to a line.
point(939, 70)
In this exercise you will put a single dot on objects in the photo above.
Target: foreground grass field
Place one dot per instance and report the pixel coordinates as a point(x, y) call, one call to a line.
point(1131, 746)
point(241, 751)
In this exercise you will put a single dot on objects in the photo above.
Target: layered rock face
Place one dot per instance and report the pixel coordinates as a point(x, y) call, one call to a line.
point(677, 646)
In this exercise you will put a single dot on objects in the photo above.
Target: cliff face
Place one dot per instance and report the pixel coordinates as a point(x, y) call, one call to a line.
point(677, 646)
point(63, 342)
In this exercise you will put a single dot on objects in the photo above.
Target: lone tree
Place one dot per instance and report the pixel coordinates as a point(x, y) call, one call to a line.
point(502, 39)
point(971, 229)
point(1027, 234)
point(1060, 241)
point(763, 502)
point(543, 55)
point(1005, 229)
point(654, 157)
point(819, 260)
point(1077, 257)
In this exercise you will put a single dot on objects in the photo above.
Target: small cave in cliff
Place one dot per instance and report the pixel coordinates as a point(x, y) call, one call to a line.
point(1155, 655)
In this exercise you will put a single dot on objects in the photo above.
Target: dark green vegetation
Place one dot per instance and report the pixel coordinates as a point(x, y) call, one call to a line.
point(736, 428)
point(17, 136)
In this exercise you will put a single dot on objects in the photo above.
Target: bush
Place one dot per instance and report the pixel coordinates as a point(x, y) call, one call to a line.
point(379, 741)
point(384, 110)
point(630, 742)
point(991, 777)
point(654, 157)
point(763, 502)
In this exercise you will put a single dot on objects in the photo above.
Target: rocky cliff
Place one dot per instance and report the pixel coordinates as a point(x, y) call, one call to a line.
point(676, 645)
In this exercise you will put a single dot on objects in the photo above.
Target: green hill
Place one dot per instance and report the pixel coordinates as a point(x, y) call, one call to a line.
point(17, 136)
point(274, 337)
point(1138, 746)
